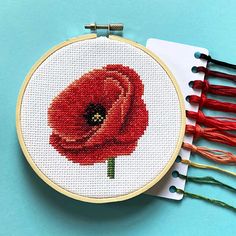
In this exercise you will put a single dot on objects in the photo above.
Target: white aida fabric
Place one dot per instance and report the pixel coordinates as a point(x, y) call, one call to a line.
point(100, 118)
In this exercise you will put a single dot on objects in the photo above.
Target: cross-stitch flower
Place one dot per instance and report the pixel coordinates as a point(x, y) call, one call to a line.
point(99, 116)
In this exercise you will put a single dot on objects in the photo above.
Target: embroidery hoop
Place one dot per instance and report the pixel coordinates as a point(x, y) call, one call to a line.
point(49, 181)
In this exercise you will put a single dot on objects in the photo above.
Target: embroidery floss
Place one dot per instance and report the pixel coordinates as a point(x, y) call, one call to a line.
point(221, 123)
point(206, 180)
point(209, 167)
point(210, 200)
point(209, 59)
point(206, 87)
point(216, 155)
point(212, 73)
point(211, 134)
point(212, 104)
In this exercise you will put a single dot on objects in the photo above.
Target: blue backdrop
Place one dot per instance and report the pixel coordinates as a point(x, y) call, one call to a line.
point(27, 30)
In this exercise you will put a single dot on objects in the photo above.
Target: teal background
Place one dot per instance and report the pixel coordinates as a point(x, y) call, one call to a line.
point(27, 30)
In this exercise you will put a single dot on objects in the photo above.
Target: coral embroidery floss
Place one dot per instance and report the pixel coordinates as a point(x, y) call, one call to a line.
point(95, 113)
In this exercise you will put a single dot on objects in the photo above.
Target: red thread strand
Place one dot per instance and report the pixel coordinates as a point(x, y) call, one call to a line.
point(216, 155)
point(216, 73)
point(211, 134)
point(212, 104)
point(221, 123)
point(214, 89)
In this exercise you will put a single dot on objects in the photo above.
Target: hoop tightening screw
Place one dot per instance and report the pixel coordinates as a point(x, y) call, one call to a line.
point(109, 27)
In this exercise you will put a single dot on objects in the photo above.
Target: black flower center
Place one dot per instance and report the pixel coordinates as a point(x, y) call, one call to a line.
point(95, 114)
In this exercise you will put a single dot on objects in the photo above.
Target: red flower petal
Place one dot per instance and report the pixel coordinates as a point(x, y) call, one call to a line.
point(65, 115)
point(119, 90)
point(96, 154)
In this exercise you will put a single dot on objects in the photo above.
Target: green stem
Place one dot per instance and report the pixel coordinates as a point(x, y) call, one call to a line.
point(111, 168)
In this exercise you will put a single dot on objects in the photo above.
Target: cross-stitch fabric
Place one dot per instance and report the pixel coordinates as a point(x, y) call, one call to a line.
point(100, 118)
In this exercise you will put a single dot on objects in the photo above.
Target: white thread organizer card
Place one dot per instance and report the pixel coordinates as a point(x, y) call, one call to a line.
point(180, 60)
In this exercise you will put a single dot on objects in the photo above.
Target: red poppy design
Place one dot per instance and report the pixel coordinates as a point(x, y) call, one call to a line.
point(99, 116)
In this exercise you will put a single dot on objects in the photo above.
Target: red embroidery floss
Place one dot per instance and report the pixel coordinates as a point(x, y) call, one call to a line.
point(206, 87)
point(211, 134)
point(213, 73)
point(221, 123)
point(212, 104)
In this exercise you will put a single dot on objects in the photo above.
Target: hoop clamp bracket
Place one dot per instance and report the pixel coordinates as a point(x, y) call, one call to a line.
point(114, 27)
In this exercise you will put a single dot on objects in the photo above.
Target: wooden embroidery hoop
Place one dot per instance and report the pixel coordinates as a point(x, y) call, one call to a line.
point(64, 191)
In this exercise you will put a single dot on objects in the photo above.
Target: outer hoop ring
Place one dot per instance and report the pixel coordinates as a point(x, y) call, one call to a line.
point(62, 190)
